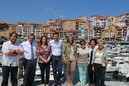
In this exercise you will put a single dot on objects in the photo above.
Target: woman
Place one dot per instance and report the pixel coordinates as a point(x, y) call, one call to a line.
point(93, 43)
point(82, 54)
point(43, 52)
point(69, 59)
point(100, 63)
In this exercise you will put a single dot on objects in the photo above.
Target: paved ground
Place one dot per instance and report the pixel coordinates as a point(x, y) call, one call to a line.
point(37, 82)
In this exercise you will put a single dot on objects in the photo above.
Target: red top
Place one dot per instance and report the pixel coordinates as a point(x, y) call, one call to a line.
point(43, 52)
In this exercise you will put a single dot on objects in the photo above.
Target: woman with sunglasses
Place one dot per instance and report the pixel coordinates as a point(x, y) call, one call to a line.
point(82, 62)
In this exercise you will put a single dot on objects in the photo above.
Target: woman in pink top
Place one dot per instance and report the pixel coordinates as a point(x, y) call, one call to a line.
point(43, 53)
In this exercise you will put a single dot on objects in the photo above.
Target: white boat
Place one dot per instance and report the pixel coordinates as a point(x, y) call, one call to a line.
point(110, 66)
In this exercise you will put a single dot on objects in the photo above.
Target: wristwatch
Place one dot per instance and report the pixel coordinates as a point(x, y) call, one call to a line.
point(14, 52)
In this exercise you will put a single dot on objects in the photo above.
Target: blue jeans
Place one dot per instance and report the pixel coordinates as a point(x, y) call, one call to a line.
point(57, 68)
point(83, 72)
point(6, 70)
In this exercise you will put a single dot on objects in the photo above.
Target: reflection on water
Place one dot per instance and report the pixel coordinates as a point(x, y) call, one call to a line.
point(112, 77)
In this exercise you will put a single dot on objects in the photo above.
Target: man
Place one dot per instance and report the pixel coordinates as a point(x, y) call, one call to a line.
point(56, 49)
point(30, 60)
point(10, 60)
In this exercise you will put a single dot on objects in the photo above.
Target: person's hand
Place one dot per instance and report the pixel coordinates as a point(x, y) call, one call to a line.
point(106, 62)
point(19, 52)
point(47, 60)
point(77, 63)
point(105, 68)
point(93, 68)
point(11, 50)
point(65, 62)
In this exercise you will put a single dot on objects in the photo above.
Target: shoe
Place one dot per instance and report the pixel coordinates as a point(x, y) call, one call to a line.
point(59, 83)
point(68, 84)
point(42, 85)
point(47, 84)
point(71, 84)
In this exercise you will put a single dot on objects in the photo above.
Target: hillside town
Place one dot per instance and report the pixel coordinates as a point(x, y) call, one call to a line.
point(114, 30)
point(108, 28)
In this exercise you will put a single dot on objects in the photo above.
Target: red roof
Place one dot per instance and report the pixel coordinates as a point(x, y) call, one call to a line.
point(1, 22)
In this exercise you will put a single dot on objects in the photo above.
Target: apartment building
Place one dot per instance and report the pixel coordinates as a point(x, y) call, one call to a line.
point(4, 29)
point(69, 24)
point(98, 21)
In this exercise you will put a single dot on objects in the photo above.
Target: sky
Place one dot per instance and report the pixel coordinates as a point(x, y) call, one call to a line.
point(39, 11)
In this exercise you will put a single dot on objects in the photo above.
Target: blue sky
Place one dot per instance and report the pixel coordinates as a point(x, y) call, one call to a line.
point(38, 11)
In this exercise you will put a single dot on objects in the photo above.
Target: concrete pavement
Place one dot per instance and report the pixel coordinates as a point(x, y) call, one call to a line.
point(76, 83)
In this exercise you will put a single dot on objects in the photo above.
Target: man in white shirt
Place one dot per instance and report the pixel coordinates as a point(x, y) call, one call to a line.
point(56, 51)
point(10, 60)
point(30, 60)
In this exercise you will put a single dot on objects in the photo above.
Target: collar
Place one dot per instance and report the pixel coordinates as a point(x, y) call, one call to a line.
point(29, 42)
point(71, 45)
point(10, 42)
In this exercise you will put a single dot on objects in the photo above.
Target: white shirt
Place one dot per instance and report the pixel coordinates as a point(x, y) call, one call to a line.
point(82, 51)
point(98, 57)
point(26, 46)
point(9, 60)
point(56, 47)
point(83, 55)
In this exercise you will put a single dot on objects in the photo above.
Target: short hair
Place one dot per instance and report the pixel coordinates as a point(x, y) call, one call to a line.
point(101, 40)
point(56, 33)
point(82, 41)
point(31, 35)
point(95, 40)
point(14, 32)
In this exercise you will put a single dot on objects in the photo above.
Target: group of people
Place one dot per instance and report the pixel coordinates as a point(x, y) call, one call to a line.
point(90, 58)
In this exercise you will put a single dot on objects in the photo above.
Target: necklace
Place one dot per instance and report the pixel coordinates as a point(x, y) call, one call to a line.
point(100, 51)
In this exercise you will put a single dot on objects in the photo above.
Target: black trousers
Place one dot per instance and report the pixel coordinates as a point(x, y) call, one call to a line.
point(29, 74)
point(57, 68)
point(91, 74)
point(6, 70)
point(99, 74)
point(45, 70)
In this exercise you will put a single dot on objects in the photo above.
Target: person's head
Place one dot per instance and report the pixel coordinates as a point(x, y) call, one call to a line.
point(31, 37)
point(43, 40)
point(93, 43)
point(13, 37)
point(56, 36)
point(82, 42)
point(100, 44)
point(70, 39)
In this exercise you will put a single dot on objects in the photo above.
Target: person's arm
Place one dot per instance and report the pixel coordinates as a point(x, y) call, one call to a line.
point(105, 58)
point(77, 55)
point(7, 51)
point(64, 53)
point(11, 53)
point(19, 51)
point(49, 57)
point(93, 58)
